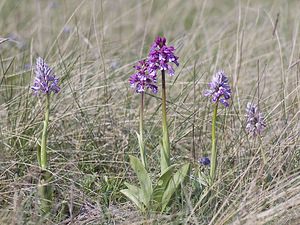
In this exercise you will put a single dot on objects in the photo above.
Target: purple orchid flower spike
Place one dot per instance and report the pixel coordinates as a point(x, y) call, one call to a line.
point(255, 120)
point(45, 80)
point(219, 88)
point(143, 78)
point(161, 56)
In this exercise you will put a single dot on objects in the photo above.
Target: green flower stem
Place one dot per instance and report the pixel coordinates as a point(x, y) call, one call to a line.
point(213, 163)
point(45, 134)
point(142, 145)
point(45, 192)
point(44, 187)
point(166, 141)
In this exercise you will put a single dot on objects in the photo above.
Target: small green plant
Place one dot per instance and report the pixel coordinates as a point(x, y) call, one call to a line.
point(156, 198)
point(255, 125)
point(148, 196)
point(45, 82)
point(220, 92)
point(202, 181)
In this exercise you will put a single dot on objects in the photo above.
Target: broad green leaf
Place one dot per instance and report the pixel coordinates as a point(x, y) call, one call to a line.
point(142, 148)
point(161, 187)
point(203, 179)
point(173, 184)
point(133, 188)
point(162, 184)
point(164, 161)
point(39, 154)
point(141, 144)
point(144, 180)
point(134, 197)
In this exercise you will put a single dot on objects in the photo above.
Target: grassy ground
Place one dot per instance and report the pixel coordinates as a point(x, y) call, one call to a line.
point(93, 45)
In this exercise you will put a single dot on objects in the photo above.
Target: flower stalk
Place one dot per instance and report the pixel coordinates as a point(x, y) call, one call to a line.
point(45, 192)
point(142, 80)
point(45, 83)
point(142, 144)
point(214, 152)
point(44, 188)
point(165, 157)
point(162, 57)
point(45, 135)
point(146, 196)
point(219, 92)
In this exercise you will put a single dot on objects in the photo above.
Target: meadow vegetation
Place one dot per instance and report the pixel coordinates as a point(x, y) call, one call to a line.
point(92, 45)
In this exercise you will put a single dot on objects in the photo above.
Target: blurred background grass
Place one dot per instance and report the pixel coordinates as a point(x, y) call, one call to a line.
point(92, 45)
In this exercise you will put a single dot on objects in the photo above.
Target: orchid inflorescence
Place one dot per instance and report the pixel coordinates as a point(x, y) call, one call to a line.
point(255, 120)
point(219, 88)
point(159, 58)
point(143, 79)
point(45, 81)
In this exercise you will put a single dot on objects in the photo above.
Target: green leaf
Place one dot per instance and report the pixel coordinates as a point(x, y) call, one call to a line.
point(133, 188)
point(133, 194)
point(142, 148)
point(39, 154)
point(203, 179)
point(161, 186)
point(144, 180)
point(173, 184)
point(141, 144)
point(164, 161)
